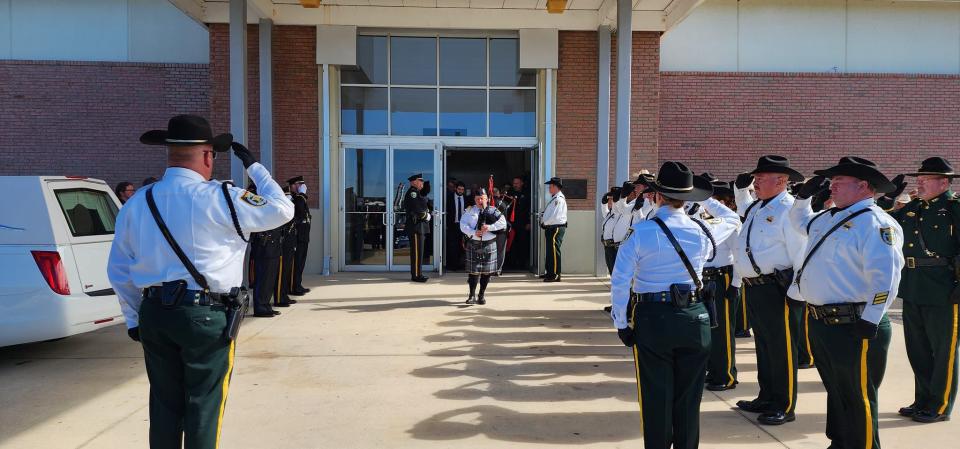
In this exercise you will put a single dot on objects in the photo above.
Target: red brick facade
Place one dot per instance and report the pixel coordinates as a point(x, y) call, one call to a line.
point(85, 118)
point(722, 122)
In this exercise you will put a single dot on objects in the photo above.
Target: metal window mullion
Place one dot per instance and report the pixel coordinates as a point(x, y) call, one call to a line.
point(436, 132)
point(389, 80)
point(487, 89)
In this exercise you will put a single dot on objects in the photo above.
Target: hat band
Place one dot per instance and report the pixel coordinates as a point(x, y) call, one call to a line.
point(186, 141)
point(935, 173)
point(682, 189)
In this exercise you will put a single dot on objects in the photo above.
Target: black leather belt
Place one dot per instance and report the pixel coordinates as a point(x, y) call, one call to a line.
point(717, 273)
point(659, 297)
point(763, 279)
point(841, 313)
point(919, 262)
point(554, 226)
point(611, 244)
point(190, 297)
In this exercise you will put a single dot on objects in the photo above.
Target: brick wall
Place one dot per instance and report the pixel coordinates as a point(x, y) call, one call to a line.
point(723, 121)
point(85, 118)
point(577, 107)
point(296, 149)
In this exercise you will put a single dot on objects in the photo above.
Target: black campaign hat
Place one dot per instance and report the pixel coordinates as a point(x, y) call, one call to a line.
point(555, 181)
point(719, 187)
point(677, 182)
point(776, 164)
point(859, 168)
point(295, 180)
point(187, 130)
point(415, 177)
point(936, 166)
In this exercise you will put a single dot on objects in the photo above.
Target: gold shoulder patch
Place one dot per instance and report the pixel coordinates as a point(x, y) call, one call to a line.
point(253, 199)
point(714, 221)
point(880, 298)
point(886, 234)
point(911, 214)
point(770, 219)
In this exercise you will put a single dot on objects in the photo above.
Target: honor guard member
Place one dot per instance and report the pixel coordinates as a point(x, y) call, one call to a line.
point(265, 250)
point(931, 226)
point(301, 220)
point(633, 210)
point(849, 277)
point(554, 222)
point(178, 286)
point(718, 277)
point(658, 307)
point(480, 225)
point(767, 250)
point(288, 245)
point(743, 320)
point(417, 224)
point(610, 213)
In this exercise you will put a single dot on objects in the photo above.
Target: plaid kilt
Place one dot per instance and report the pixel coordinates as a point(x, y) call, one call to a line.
point(481, 257)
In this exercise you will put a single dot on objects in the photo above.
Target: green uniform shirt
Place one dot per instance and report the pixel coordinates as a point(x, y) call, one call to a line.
point(937, 221)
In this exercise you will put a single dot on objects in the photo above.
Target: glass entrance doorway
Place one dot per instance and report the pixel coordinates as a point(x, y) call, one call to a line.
point(372, 212)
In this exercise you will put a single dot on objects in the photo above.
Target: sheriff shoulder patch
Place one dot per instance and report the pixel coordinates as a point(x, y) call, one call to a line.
point(886, 234)
point(253, 199)
point(413, 194)
point(880, 298)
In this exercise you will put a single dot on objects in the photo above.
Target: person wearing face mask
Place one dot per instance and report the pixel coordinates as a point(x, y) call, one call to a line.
point(176, 265)
point(301, 220)
point(480, 224)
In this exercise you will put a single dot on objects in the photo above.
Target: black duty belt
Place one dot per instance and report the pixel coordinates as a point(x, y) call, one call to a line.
point(554, 226)
point(190, 297)
point(763, 279)
point(660, 297)
point(717, 273)
point(611, 244)
point(840, 313)
point(920, 262)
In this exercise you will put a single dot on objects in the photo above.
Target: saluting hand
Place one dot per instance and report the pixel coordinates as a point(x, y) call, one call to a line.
point(243, 154)
point(743, 180)
point(813, 186)
point(901, 186)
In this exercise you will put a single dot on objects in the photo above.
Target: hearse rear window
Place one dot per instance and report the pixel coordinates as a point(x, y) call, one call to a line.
point(88, 212)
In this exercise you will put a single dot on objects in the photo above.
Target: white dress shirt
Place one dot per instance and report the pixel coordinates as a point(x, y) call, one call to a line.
point(457, 207)
point(468, 225)
point(725, 249)
point(859, 262)
point(629, 217)
point(610, 219)
point(648, 263)
point(199, 219)
point(556, 211)
point(773, 241)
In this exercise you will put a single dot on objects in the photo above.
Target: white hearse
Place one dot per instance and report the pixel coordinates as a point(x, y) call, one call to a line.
point(55, 237)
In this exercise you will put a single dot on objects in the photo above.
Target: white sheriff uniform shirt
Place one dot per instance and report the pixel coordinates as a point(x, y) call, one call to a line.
point(859, 262)
point(726, 248)
point(774, 242)
point(610, 218)
point(647, 262)
point(556, 211)
point(468, 224)
point(629, 217)
point(199, 220)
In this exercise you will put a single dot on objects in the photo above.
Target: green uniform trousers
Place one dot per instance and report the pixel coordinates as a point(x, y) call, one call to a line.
point(773, 321)
point(743, 320)
point(189, 363)
point(670, 358)
point(930, 333)
point(801, 333)
point(722, 367)
point(554, 239)
point(851, 369)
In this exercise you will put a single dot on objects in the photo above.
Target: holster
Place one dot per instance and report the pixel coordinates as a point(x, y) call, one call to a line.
point(784, 278)
point(172, 293)
point(709, 297)
point(236, 308)
point(680, 295)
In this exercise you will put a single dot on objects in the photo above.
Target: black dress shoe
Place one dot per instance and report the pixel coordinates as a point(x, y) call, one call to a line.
point(264, 314)
point(295, 293)
point(806, 366)
point(542, 276)
point(928, 417)
point(275, 312)
point(420, 279)
point(552, 279)
point(471, 300)
point(742, 334)
point(282, 304)
point(754, 406)
point(608, 309)
point(303, 290)
point(776, 418)
point(480, 300)
point(292, 301)
point(721, 387)
point(908, 411)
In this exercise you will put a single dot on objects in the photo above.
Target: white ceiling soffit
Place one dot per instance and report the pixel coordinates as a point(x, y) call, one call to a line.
point(648, 15)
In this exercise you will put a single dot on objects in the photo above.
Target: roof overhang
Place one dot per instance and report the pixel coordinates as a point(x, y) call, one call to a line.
point(648, 15)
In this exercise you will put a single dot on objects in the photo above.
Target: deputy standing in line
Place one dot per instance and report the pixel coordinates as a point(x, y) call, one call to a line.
point(743, 319)
point(718, 277)
point(417, 224)
point(554, 222)
point(288, 245)
point(181, 325)
point(931, 225)
point(301, 220)
point(767, 249)
point(658, 309)
point(610, 213)
point(265, 250)
point(849, 277)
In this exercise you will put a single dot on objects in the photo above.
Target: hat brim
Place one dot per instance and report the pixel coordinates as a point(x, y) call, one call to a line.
point(220, 143)
point(860, 171)
point(795, 176)
point(721, 188)
point(553, 183)
point(701, 190)
point(927, 173)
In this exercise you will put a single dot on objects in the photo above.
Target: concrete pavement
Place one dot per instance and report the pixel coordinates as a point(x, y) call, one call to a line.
point(374, 361)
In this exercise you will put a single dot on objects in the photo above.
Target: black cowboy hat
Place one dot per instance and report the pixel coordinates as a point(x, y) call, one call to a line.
point(644, 179)
point(295, 180)
point(415, 177)
point(555, 181)
point(719, 187)
point(676, 181)
point(776, 164)
point(936, 166)
point(859, 168)
point(187, 130)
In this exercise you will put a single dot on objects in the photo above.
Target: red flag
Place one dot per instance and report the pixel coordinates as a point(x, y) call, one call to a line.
point(493, 202)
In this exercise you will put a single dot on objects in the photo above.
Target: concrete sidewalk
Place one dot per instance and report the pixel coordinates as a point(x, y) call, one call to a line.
point(374, 361)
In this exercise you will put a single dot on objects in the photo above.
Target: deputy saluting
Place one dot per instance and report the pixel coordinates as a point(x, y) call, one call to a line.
point(658, 309)
point(176, 265)
point(849, 277)
point(554, 222)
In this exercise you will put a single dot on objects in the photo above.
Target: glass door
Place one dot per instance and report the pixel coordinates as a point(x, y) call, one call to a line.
point(364, 209)
point(405, 162)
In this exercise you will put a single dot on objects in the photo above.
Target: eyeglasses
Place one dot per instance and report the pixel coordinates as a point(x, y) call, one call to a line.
point(211, 151)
